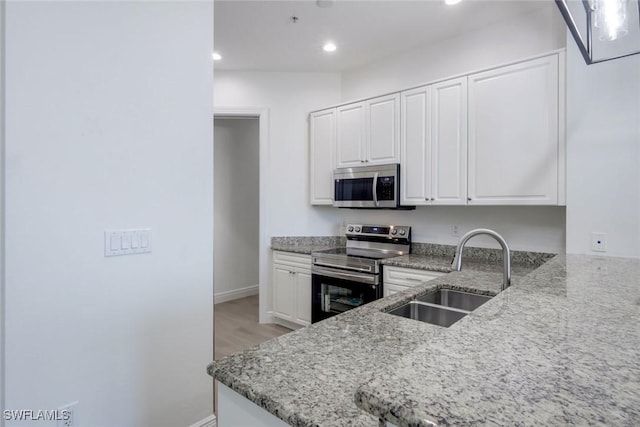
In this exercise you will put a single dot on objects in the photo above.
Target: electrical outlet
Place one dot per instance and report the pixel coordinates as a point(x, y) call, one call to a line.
point(455, 230)
point(599, 242)
point(68, 415)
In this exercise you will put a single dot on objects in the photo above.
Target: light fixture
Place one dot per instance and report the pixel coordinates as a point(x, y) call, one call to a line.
point(610, 17)
point(216, 56)
point(329, 47)
point(451, 2)
point(603, 29)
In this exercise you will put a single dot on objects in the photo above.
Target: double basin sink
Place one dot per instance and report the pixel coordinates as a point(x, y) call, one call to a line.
point(443, 307)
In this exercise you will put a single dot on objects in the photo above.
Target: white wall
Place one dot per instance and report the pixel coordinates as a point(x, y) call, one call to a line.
point(603, 153)
point(527, 35)
point(532, 228)
point(236, 206)
point(109, 126)
point(289, 97)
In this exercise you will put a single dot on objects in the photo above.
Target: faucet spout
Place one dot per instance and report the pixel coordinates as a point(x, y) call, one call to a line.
point(456, 265)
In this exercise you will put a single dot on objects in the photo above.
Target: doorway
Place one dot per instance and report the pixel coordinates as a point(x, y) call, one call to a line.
point(236, 207)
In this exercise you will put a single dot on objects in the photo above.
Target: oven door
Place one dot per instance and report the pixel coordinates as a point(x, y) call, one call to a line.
point(336, 291)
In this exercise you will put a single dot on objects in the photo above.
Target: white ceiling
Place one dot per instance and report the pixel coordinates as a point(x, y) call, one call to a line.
point(260, 35)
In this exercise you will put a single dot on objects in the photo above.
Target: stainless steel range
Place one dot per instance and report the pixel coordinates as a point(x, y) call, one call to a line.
point(346, 278)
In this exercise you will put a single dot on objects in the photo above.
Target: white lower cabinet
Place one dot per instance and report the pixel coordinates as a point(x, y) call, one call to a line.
point(292, 287)
point(398, 279)
point(236, 410)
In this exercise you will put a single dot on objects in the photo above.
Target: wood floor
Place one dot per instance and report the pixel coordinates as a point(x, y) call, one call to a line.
point(237, 328)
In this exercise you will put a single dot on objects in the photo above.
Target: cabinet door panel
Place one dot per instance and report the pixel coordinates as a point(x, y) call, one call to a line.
point(513, 134)
point(383, 129)
point(390, 289)
point(449, 142)
point(303, 298)
point(350, 137)
point(415, 143)
point(322, 134)
point(283, 292)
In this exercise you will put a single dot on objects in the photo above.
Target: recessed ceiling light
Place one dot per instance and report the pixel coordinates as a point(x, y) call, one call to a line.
point(217, 56)
point(451, 2)
point(329, 47)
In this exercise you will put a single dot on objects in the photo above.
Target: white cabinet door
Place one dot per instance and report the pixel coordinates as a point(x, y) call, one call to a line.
point(415, 146)
point(303, 298)
point(283, 292)
point(409, 277)
point(322, 139)
point(383, 130)
point(291, 287)
point(449, 142)
point(390, 289)
point(351, 135)
point(513, 134)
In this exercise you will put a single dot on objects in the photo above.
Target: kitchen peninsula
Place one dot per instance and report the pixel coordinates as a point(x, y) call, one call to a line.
point(560, 346)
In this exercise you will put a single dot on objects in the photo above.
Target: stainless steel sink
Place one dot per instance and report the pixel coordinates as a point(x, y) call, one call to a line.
point(440, 316)
point(455, 299)
point(443, 307)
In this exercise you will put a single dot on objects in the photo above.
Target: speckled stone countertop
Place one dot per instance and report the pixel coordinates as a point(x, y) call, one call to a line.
point(559, 347)
point(306, 244)
point(443, 264)
point(424, 256)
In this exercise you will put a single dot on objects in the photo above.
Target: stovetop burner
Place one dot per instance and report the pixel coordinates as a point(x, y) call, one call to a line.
point(366, 246)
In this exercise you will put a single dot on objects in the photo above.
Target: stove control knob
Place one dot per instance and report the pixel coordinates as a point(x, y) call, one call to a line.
point(402, 232)
point(394, 232)
point(357, 229)
point(350, 229)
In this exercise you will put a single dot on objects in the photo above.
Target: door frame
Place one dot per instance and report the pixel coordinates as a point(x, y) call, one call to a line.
point(262, 114)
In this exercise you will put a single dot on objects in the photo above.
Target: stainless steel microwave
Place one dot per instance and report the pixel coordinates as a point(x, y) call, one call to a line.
point(368, 187)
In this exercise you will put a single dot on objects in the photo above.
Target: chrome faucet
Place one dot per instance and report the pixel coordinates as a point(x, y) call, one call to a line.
point(456, 265)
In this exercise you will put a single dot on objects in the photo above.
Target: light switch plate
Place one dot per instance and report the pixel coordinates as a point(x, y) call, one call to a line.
point(127, 241)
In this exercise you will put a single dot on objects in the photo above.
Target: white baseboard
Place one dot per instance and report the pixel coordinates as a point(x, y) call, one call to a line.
point(287, 324)
point(210, 421)
point(235, 294)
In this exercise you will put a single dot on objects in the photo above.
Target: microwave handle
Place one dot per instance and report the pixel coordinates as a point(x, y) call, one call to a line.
point(375, 189)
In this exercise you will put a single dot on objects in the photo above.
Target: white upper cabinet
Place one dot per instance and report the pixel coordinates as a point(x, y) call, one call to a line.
point(383, 130)
point(449, 142)
point(322, 141)
point(489, 138)
point(434, 144)
point(368, 133)
point(351, 135)
point(415, 147)
point(514, 146)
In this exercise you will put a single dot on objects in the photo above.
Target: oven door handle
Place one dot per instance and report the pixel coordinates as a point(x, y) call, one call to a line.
point(362, 278)
point(375, 189)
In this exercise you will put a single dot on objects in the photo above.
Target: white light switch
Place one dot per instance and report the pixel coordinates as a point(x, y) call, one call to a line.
point(127, 242)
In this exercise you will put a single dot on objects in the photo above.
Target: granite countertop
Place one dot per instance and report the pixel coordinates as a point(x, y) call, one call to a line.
point(560, 346)
point(443, 264)
point(306, 244)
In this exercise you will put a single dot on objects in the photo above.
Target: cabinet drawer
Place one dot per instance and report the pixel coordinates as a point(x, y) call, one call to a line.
point(292, 259)
point(407, 276)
